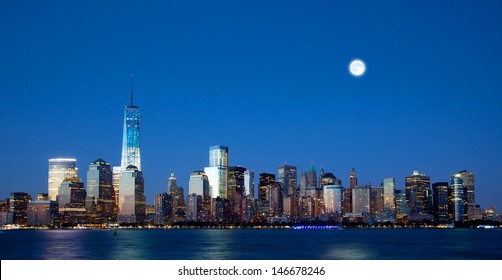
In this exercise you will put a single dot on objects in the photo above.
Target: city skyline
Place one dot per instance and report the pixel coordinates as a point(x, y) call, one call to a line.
point(423, 104)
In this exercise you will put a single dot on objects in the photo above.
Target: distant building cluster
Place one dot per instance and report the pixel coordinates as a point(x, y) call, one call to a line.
point(225, 195)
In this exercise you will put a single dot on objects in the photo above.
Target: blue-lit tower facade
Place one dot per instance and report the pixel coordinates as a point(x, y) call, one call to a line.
point(130, 138)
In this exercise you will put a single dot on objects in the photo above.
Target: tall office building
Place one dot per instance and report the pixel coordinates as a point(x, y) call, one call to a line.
point(332, 199)
point(199, 184)
point(402, 209)
point(440, 192)
point(116, 172)
point(347, 194)
point(249, 183)
point(132, 201)
point(42, 213)
point(100, 189)
point(389, 187)
point(274, 198)
point(194, 207)
point(162, 209)
point(235, 191)
point(287, 177)
point(130, 137)
point(417, 187)
point(71, 201)
point(60, 169)
point(470, 203)
point(217, 171)
point(361, 199)
point(303, 185)
point(377, 201)
point(311, 177)
point(18, 204)
point(266, 179)
point(458, 198)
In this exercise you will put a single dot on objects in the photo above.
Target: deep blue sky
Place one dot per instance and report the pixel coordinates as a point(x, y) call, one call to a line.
point(268, 79)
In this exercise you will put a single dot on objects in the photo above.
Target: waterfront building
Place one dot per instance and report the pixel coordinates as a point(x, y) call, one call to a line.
point(274, 198)
point(217, 171)
point(312, 177)
point(457, 199)
point(417, 186)
point(131, 155)
point(60, 169)
point(347, 194)
point(402, 209)
point(43, 213)
point(303, 185)
point(100, 192)
point(132, 201)
point(248, 212)
point(162, 209)
point(194, 207)
point(116, 172)
point(389, 187)
point(18, 204)
point(266, 179)
point(361, 199)
point(71, 201)
point(377, 201)
point(199, 184)
point(332, 199)
point(470, 202)
point(287, 177)
point(235, 191)
point(440, 202)
point(249, 183)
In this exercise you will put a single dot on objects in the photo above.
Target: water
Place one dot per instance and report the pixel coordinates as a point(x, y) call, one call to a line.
point(258, 244)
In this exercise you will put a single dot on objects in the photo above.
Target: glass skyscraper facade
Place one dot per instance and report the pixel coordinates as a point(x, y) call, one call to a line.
point(417, 186)
point(132, 201)
point(389, 187)
point(287, 177)
point(217, 171)
point(440, 192)
point(130, 138)
point(249, 183)
point(60, 169)
point(100, 189)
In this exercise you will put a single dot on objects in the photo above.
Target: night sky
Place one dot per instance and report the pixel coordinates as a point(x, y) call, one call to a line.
point(269, 79)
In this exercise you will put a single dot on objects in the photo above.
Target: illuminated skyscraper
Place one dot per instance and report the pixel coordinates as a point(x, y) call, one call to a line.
point(332, 199)
point(347, 194)
point(18, 203)
point(377, 200)
point(132, 201)
point(311, 177)
point(470, 203)
point(60, 169)
point(71, 201)
point(266, 179)
point(199, 184)
point(440, 202)
point(417, 187)
point(130, 138)
point(100, 189)
point(235, 191)
point(217, 171)
point(361, 197)
point(458, 198)
point(389, 187)
point(116, 172)
point(286, 176)
point(249, 183)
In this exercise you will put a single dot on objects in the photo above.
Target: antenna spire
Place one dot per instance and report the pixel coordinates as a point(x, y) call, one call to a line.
point(131, 87)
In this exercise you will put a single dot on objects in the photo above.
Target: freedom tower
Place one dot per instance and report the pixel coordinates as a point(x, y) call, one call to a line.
point(130, 138)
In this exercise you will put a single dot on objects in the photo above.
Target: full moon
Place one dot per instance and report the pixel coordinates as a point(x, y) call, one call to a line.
point(357, 68)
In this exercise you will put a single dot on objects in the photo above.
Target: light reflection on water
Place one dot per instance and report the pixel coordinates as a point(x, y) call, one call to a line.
point(252, 244)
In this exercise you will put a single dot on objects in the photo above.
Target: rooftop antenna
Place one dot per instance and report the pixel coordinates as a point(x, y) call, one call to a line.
point(131, 87)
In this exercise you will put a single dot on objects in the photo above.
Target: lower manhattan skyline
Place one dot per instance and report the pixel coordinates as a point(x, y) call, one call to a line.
point(273, 85)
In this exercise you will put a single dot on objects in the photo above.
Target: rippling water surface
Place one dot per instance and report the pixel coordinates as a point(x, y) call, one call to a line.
point(259, 244)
